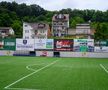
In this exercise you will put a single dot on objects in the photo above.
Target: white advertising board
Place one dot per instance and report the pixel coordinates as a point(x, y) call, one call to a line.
point(101, 49)
point(25, 44)
point(43, 43)
point(84, 45)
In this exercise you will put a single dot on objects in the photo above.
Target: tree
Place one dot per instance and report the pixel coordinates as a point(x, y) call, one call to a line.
point(76, 20)
point(101, 31)
point(5, 19)
point(17, 28)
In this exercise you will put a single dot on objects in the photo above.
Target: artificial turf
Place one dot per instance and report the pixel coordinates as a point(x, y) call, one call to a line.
point(65, 74)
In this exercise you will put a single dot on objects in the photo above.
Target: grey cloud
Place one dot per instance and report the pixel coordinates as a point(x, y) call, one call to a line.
point(60, 4)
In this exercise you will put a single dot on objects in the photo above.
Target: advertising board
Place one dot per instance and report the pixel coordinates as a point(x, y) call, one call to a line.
point(63, 45)
point(25, 44)
point(83, 45)
point(8, 44)
point(43, 43)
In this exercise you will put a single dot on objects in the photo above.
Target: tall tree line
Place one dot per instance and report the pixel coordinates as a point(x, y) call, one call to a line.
point(14, 14)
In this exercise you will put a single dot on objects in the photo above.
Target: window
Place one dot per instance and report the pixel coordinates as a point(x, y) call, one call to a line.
point(26, 37)
point(57, 34)
point(3, 31)
point(62, 34)
point(25, 25)
point(26, 31)
point(54, 23)
point(41, 31)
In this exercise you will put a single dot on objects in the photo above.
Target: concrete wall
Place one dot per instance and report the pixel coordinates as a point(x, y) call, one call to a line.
point(98, 55)
point(6, 53)
point(73, 54)
point(84, 54)
point(62, 54)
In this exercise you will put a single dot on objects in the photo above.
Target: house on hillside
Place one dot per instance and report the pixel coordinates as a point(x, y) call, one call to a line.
point(84, 31)
point(60, 25)
point(35, 30)
point(6, 31)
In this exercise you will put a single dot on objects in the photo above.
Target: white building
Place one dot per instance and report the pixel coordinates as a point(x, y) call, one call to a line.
point(83, 31)
point(35, 30)
point(60, 25)
point(6, 31)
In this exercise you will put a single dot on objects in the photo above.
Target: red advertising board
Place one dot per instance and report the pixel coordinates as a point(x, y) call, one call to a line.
point(63, 45)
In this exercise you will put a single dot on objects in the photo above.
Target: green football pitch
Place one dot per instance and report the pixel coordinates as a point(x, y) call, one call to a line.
point(43, 73)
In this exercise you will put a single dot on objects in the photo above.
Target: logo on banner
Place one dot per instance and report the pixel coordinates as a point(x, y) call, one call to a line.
point(24, 41)
point(63, 45)
point(40, 41)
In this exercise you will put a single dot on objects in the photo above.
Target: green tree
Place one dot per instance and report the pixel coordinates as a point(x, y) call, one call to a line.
point(76, 20)
point(5, 19)
point(17, 28)
point(101, 31)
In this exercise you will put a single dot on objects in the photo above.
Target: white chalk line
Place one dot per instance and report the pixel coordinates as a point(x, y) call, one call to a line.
point(31, 69)
point(8, 86)
point(21, 89)
point(104, 68)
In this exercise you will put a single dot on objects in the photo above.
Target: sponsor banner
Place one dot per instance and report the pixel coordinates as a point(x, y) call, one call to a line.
point(43, 43)
point(40, 43)
point(49, 44)
point(101, 46)
point(63, 45)
point(8, 44)
point(84, 45)
point(25, 44)
point(101, 43)
point(101, 49)
point(1, 44)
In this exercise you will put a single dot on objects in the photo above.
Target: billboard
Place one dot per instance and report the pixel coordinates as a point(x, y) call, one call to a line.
point(1, 44)
point(101, 43)
point(8, 44)
point(49, 44)
point(25, 44)
point(84, 45)
point(101, 46)
point(63, 45)
point(43, 43)
point(101, 49)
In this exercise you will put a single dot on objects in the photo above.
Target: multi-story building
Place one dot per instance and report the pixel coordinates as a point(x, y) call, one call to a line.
point(60, 25)
point(83, 31)
point(35, 30)
point(6, 31)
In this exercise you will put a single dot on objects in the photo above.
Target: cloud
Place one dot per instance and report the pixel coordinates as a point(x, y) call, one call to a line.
point(63, 4)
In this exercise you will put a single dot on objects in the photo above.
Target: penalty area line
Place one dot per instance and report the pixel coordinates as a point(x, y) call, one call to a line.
point(8, 86)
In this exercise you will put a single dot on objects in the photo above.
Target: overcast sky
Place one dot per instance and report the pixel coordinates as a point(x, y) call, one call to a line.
point(63, 4)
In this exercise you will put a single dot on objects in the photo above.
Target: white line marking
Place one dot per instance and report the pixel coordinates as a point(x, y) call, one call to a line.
point(30, 74)
point(21, 89)
point(104, 68)
point(28, 67)
point(31, 69)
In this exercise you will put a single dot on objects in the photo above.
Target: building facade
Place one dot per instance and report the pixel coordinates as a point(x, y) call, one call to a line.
point(35, 30)
point(83, 31)
point(60, 25)
point(6, 31)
